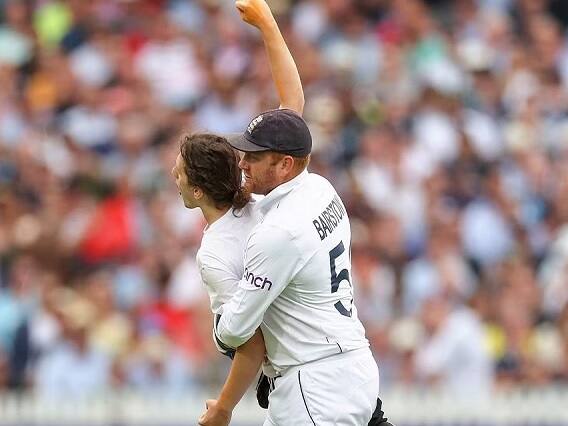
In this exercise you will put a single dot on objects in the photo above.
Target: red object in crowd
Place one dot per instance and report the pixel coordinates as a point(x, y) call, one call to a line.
point(134, 41)
point(111, 231)
point(177, 323)
point(389, 31)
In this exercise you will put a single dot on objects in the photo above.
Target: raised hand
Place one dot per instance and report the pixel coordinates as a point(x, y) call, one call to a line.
point(255, 12)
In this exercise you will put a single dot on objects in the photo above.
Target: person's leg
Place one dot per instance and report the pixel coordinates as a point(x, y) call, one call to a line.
point(335, 392)
point(349, 397)
point(286, 405)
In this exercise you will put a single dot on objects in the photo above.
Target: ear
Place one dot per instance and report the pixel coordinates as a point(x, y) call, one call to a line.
point(197, 193)
point(287, 164)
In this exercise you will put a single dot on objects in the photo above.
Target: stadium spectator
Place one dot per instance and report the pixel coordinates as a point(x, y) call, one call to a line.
point(443, 125)
point(453, 355)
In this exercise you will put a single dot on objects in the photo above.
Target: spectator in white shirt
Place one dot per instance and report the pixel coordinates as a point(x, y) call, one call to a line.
point(453, 355)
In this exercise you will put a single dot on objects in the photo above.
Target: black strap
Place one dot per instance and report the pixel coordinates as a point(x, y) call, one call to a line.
point(378, 417)
point(228, 351)
point(263, 389)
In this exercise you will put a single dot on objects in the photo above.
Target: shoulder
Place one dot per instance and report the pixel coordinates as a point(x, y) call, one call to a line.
point(318, 182)
point(235, 227)
point(270, 238)
point(249, 213)
point(308, 199)
point(212, 251)
point(313, 189)
point(318, 179)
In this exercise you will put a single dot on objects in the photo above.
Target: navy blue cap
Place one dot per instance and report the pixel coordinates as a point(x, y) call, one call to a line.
point(279, 130)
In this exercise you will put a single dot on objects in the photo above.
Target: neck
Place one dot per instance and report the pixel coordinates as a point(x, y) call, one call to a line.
point(212, 213)
point(286, 179)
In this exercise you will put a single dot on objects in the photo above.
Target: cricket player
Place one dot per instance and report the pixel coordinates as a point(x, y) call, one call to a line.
point(297, 283)
point(208, 177)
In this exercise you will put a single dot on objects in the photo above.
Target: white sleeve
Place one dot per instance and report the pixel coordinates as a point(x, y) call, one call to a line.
point(219, 281)
point(271, 262)
point(218, 278)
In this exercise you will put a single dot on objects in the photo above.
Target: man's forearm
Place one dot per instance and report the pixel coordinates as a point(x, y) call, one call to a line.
point(284, 70)
point(246, 364)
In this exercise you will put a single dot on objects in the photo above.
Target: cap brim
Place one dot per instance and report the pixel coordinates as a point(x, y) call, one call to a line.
point(238, 141)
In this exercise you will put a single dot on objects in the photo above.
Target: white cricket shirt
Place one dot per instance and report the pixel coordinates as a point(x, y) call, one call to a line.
point(297, 279)
point(220, 257)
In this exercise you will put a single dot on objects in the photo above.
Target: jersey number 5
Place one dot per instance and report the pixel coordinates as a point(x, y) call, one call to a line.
point(336, 279)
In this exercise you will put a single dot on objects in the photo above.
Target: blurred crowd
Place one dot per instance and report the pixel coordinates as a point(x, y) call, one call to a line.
point(443, 125)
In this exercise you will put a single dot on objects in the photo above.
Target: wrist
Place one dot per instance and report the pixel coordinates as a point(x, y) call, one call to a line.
point(225, 405)
point(269, 26)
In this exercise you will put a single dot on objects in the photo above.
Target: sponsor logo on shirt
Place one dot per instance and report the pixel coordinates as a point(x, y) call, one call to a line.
point(258, 282)
point(329, 219)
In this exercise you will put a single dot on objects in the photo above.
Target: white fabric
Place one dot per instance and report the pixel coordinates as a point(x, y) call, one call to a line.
point(91, 373)
point(90, 126)
point(172, 70)
point(91, 66)
point(436, 133)
point(484, 133)
point(455, 354)
point(288, 278)
point(341, 390)
point(220, 257)
point(220, 261)
point(487, 236)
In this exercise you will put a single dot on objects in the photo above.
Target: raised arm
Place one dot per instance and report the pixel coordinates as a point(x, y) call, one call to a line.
point(284, 71)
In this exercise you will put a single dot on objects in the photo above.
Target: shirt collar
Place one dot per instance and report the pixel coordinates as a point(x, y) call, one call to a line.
point(280, 191)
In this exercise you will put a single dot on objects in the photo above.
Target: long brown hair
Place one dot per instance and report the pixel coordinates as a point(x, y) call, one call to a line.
point(211, 164)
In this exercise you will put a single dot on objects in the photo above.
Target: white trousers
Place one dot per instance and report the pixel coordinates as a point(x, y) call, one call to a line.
point(341, 390)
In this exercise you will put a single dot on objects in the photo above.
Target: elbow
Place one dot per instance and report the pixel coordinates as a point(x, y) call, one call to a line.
point(300, 109)
point(232, 338)
point(300, 102)
point(295, 103)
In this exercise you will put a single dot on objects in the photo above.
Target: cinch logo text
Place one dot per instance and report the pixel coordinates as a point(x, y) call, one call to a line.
point(258, 282)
